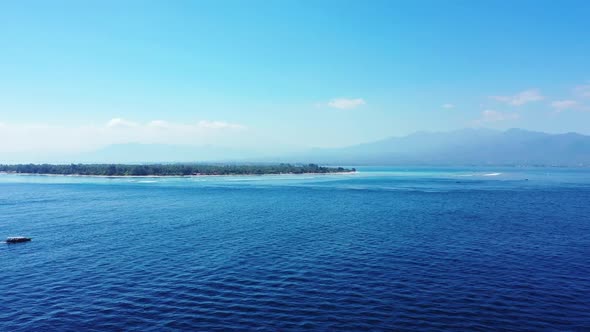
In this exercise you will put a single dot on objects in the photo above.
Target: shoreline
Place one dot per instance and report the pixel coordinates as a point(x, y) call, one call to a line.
point(171, 176)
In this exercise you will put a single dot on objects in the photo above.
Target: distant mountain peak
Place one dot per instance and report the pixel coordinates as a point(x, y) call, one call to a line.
point(473, 146)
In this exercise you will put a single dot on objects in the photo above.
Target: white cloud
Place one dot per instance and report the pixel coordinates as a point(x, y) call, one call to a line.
point(447, 106)
point(346, 103)
point(582, 91)
point(219, 125)
point(489, 116)
point(201, 125)
point(521, 98)
point(120, 123)
point(562, 105)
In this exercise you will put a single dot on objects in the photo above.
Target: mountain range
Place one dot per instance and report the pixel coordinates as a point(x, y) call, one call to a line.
point(465, 147)
point(459, 147)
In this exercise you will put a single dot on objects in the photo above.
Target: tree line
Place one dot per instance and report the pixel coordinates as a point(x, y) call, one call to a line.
point(167, 169)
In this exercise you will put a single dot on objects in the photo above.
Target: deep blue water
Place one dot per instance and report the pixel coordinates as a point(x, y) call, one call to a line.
point(384, 249)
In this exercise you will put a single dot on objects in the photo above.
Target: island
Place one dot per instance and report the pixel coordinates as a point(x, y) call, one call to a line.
point(168, 169)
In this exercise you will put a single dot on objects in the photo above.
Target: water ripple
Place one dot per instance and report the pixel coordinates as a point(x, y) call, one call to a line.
point(318, 256)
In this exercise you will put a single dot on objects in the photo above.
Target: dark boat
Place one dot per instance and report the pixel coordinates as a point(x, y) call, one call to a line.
point(18, 239)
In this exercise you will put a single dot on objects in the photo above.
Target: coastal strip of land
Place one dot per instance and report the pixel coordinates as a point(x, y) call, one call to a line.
point(168, 169)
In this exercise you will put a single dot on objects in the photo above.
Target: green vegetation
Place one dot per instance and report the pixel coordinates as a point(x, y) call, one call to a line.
point(167, 169)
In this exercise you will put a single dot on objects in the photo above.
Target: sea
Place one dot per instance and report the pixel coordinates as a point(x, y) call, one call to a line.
point(383, 249)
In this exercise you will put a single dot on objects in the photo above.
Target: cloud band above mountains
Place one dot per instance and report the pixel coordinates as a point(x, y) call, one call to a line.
point(16, 137)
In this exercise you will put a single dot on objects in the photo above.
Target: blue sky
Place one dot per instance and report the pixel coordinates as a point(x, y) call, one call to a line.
point(77, 75)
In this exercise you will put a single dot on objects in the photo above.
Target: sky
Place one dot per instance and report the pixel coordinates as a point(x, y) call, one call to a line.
point(81, 75)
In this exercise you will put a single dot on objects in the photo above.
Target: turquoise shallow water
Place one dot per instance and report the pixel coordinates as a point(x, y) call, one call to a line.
point(383, 249)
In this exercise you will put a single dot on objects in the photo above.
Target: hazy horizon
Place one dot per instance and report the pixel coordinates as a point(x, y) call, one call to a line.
point(461, 147)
